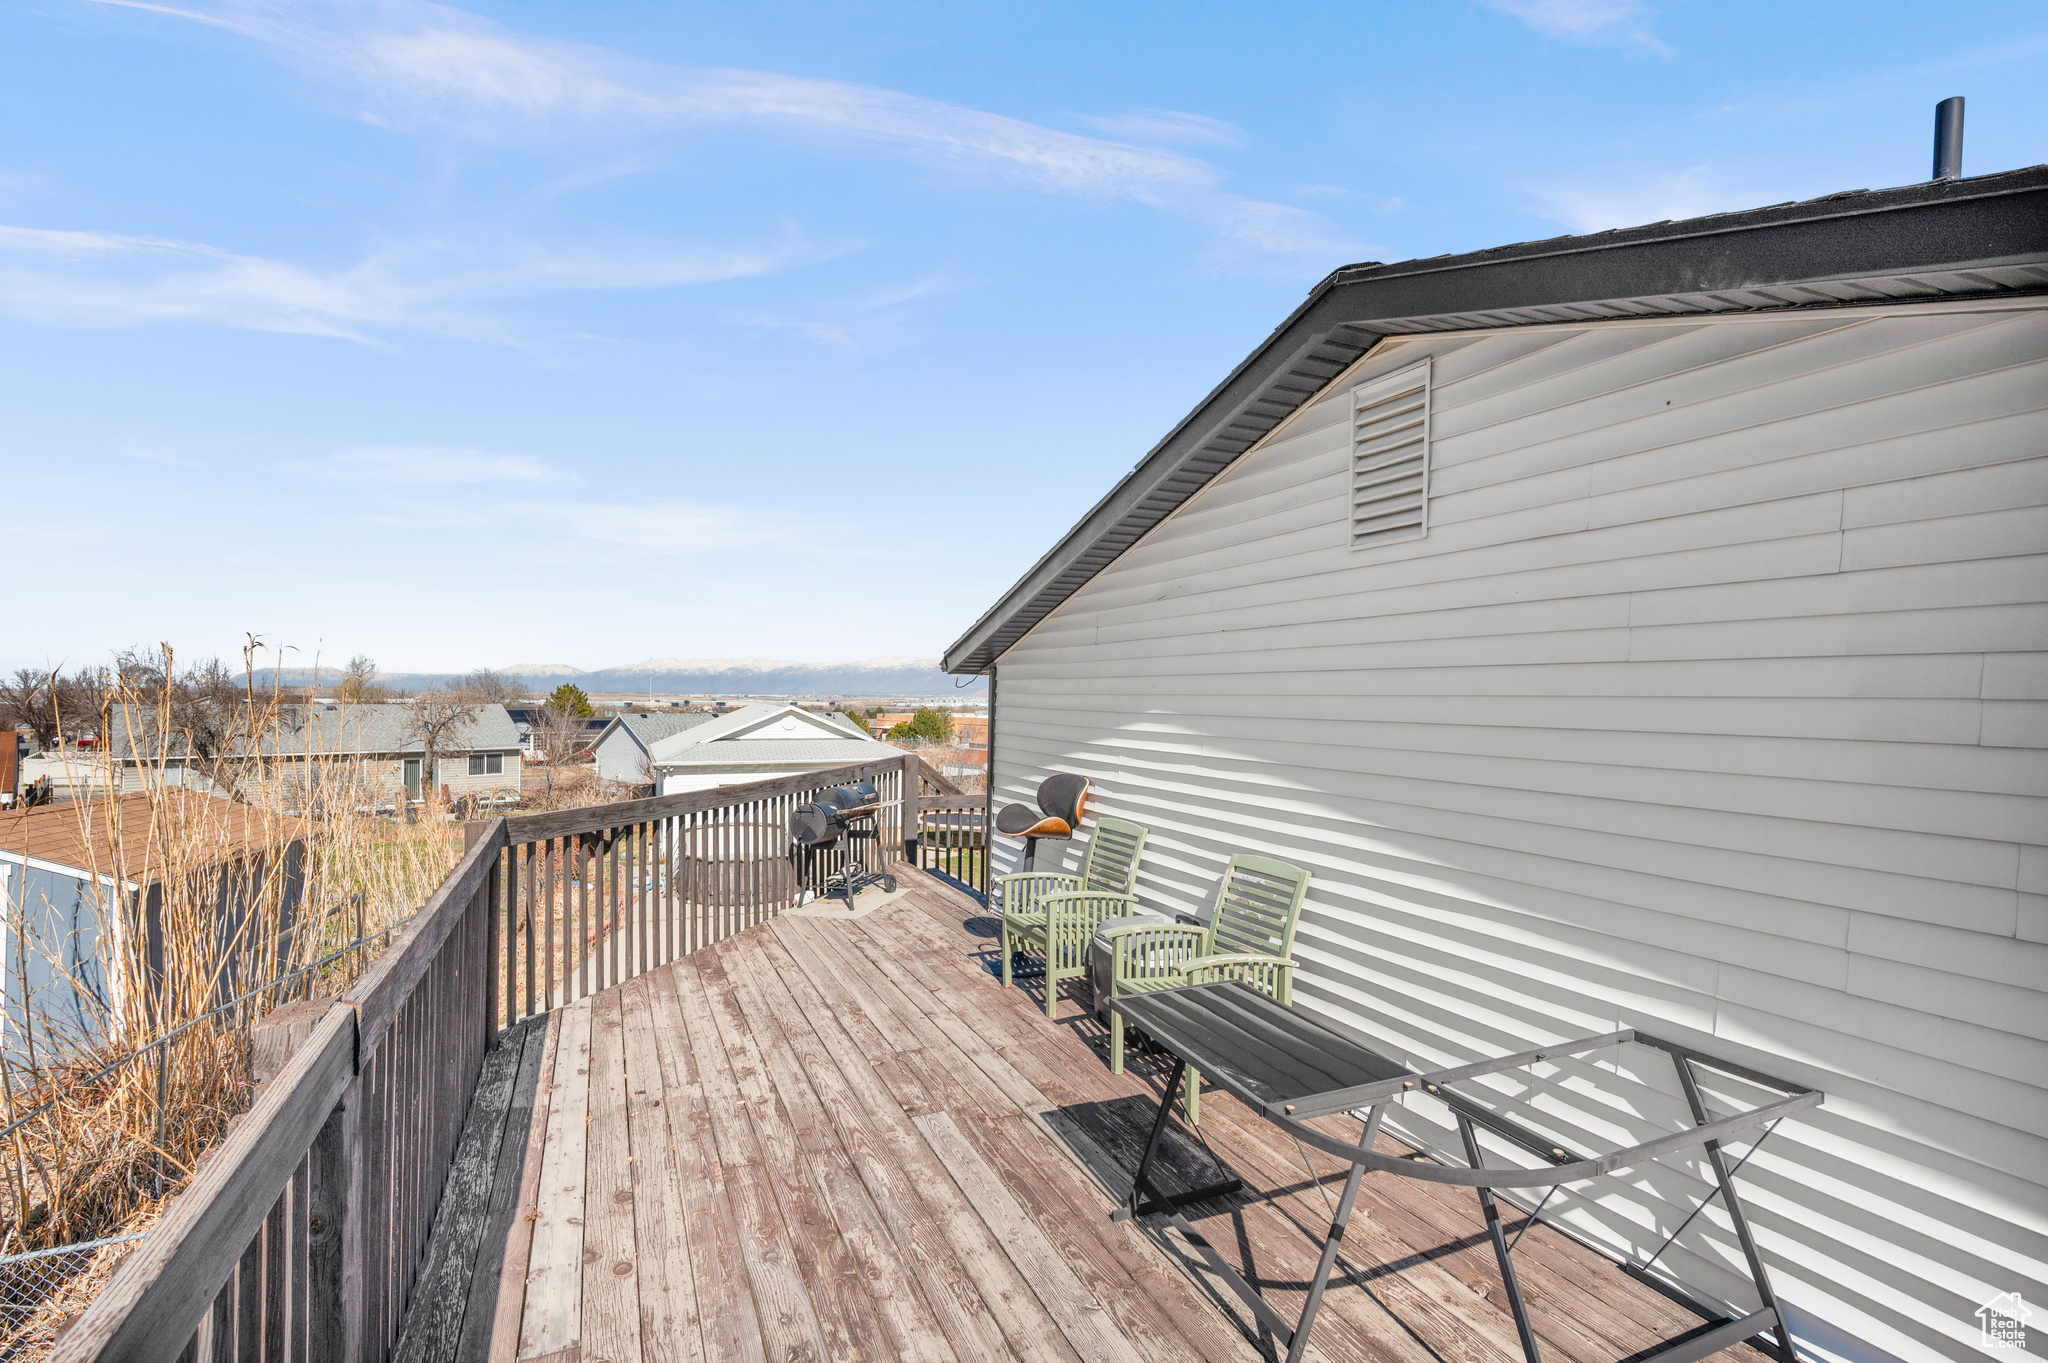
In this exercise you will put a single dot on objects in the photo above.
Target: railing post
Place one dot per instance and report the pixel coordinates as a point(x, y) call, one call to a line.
point(913, 795)
point(334, 1240)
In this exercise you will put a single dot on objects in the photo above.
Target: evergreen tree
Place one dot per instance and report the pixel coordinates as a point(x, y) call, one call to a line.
point(569, 700)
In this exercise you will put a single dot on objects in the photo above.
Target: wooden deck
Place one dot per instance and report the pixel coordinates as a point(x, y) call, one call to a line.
point(844, 1140)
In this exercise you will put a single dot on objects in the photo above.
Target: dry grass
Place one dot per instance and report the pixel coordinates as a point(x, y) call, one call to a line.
point(304, 867)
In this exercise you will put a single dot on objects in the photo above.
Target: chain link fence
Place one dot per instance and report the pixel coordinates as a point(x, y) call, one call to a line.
point(43, 1288)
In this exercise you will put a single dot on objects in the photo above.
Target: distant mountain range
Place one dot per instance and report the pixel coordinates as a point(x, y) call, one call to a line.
point(733, 677)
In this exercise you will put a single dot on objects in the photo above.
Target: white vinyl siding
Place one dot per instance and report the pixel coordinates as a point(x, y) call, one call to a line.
point(1390, 458)
point(1712, 704)
point(455, 774)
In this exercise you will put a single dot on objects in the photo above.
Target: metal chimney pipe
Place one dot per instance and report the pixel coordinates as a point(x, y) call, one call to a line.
point(1948, 139)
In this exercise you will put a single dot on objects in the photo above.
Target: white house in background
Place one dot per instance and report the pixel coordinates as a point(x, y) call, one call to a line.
point(624, 748)
point(759, 742)
point(1640, 629)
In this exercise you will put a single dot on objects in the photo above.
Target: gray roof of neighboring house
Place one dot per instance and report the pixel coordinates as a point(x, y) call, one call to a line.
point(720, 744)
point(1957, 238)
point(754, 752)
point(651, 729)
point(365, 730)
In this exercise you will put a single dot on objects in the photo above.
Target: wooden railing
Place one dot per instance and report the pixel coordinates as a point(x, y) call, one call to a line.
point(952, 838)
point(602, 894)
point(301, 1236)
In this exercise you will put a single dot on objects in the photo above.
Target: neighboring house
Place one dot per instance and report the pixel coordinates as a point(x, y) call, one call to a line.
point(77, 878)
point(760, 742)
point(530, 723)
point(1641, 629)
point(480, 759)
point(624, 746)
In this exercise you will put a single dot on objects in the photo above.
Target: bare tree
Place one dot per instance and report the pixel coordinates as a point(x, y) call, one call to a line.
point(82, 697)
point(203, 704)
point(28, 703)
point(557, 743)
point(438, 717)
point(358, 684)
point(489, 687)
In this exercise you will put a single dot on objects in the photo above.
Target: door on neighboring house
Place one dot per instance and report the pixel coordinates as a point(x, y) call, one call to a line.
point(412, 778)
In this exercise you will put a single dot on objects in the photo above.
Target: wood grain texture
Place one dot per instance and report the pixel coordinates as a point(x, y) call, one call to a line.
point(610, 1312)
point(160, 1291)
point(550, 1318)
point(826, 1119)
point(510, 1292)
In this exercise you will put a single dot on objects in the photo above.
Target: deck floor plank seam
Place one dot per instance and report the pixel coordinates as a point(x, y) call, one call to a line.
point(1028, 1330)
point(611, 1258)
point(892, 1293)
point(890, 1153)
point(824, 1139)
point(1437, 1299)
point(727, 1320)
point(790, 1330)
point(512, 1278)
point(1082, 1319)
point(671, 1325)
point(554, 1287)
point(839, 1296)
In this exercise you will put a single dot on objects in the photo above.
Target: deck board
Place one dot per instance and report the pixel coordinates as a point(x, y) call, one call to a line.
point(825, 1139)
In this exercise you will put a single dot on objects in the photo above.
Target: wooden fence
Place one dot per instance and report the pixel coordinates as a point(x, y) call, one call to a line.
point(301, 1236)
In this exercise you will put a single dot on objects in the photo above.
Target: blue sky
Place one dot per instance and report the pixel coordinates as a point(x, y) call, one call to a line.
point(587, 334)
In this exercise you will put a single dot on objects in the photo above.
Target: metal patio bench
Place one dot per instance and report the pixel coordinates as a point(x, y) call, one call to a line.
point(1250, 938)
point(1289, 1067)
point(1058, 912)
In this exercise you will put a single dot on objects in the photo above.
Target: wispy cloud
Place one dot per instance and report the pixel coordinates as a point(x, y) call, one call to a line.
point(824, 332)
point(669, 528)
point(417, 64)
point(1166, 125)
point(429, 465)
point(1585, 20)
point(1688, 193)
point(103, 279)
point(1379, 203)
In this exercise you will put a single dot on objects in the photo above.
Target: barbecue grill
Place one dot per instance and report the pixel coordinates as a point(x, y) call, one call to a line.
point(849, 812)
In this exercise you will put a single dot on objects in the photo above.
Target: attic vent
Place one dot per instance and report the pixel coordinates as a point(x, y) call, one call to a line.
point(1390, 458)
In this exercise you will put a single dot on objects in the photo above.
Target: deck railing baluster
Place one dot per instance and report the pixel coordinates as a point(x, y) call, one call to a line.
point(301, 1236)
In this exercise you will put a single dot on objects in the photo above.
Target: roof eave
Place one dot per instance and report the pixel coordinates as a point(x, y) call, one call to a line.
point(1934, 240)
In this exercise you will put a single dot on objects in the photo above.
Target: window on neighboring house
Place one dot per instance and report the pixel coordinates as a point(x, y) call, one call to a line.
point(1390, 458)
point(486, 764)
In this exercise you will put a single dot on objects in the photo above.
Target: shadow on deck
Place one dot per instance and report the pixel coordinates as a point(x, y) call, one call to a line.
point(843, 1139)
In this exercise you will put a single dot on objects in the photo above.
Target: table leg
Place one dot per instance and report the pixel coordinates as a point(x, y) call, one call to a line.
point(1145, 1199)
point(1140, 1184)
point(1500, 1246)
point(1726, 1179)
point(1336, 1238)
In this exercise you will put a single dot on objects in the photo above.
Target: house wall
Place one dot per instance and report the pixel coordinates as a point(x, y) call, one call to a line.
point(621, 758)
point(455, 776)
point(53, 983)
point(1712, 704)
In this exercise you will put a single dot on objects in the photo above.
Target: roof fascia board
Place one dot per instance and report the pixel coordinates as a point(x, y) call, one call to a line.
point(1953, 225)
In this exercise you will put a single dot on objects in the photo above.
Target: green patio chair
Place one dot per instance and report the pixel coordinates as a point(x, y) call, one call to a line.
point(1251, 937)
point(1057, 912)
